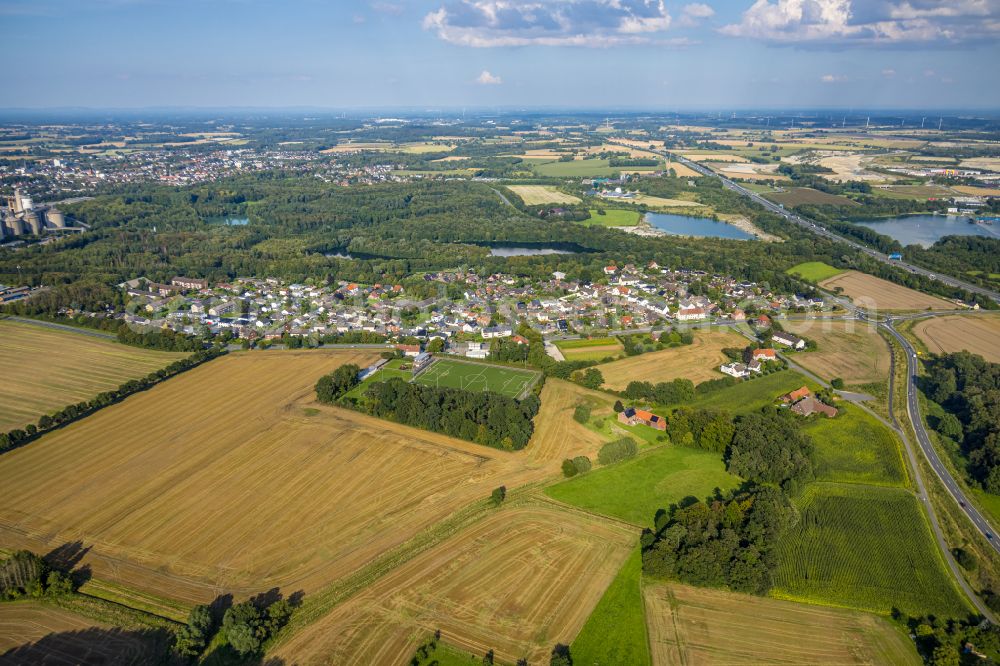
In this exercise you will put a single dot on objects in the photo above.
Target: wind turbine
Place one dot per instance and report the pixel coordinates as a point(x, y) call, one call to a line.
point(867, 120)
point(940, 120)
point(922, 122)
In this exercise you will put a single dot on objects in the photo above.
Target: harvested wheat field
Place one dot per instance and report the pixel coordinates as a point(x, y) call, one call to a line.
point(46, 369)
point(693, 626)
point(851, 350)
point(698, 361)
point(868, 291)
point(517, 582)
point(231, 477)
point(533, 195)
point(976, 334)
point(37, 633)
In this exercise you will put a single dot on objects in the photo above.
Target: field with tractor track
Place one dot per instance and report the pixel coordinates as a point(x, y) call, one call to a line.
point(979, 334)
point(45, 369)
point(698, 361)
point(691, 625)
point(868, 291)
point(517, 582)
point(188, 488)
point(851, 350)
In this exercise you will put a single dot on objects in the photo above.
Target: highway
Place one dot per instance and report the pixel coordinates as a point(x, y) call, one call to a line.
point(825, 233)
point(924, 441)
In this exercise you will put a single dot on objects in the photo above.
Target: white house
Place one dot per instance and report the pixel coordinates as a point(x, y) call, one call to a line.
point(735, 370)
point(789, 340)
point(691, 314)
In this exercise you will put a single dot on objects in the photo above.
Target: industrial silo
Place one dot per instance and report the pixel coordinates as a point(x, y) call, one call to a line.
point(55, 218)
point(34, 224)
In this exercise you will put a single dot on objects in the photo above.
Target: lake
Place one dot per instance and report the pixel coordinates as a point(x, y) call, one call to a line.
point(701, 227)
point(519, 251)
point(926, 230)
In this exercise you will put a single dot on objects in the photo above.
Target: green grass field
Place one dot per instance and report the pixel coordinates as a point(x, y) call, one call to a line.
point(613, 217)
point(467, 376)
point(868, 548)
point(814, 271)
point(633, 490)
point(585, 342)
point(615, 632)
point(856, 448)
point(750, 396)
point(385, 373)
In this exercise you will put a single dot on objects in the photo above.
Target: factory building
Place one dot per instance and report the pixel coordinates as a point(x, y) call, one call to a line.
point(21, 216)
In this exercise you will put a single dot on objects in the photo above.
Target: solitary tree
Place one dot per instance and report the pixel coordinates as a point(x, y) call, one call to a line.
point(499, 495)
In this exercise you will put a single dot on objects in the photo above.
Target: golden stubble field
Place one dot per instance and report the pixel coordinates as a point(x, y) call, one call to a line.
point(851, 350)
point(541, 194)
point(517, 582)
point(66, 638)
point(698, 361)
point(231, 478)
point(979, 334)
point(696, 626)
point(45, 369)
point(869, 291)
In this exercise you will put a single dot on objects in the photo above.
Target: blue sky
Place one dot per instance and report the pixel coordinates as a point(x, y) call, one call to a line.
point(727, 54)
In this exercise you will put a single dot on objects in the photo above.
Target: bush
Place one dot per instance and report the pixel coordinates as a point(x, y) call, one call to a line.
point(582, 464)
point(837, 383)
point(498, 495)
point(966, 559)
point(620, 449)
point(581, 414)
point(568, 468)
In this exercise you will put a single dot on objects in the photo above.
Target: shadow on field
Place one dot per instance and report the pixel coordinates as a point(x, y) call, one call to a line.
point(67, 557)
point(109, 647)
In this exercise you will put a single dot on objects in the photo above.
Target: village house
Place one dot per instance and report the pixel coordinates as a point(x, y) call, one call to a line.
point(764, 355)
point(789, 340)
point(631, 416)
point(737, 370)
point(189, 283)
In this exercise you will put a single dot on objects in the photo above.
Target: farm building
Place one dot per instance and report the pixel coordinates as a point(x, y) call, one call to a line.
point(789, 340)
point(796, 395)
point(810, 405)
point(632, 416)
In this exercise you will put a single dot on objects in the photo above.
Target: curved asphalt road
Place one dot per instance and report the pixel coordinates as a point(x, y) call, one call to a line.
point(923, 439)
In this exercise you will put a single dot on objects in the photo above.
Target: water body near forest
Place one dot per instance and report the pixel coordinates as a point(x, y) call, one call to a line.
point(926, 230)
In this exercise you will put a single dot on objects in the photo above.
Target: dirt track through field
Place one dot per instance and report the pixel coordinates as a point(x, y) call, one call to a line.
point(517, 582)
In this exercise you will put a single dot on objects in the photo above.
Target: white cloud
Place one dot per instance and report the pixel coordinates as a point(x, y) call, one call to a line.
point(595, 23)
point(869, 21)
point(487, 79)
point(888, 73)
point(694, 13)
point(833, 78)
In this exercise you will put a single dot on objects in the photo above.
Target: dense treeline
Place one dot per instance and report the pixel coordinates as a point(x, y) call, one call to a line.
point(769, 447)
point(661, 393)
point(486, 418)
point(726, 542)
point(18, 436)
point(967, 387)
point(331, 387)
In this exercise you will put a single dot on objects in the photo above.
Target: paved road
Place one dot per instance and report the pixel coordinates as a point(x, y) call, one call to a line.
point(502, 197)
point(923, 439)
point(825, 233)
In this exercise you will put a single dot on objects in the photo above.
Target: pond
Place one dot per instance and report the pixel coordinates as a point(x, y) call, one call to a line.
point(228, 221)
point(524, 251)
point(926, 230)
point(700, 227)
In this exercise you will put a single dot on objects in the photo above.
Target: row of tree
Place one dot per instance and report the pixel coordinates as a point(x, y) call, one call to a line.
point(70, 413)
